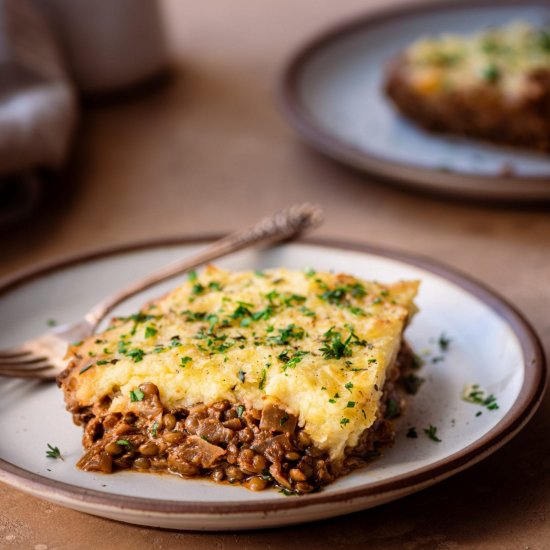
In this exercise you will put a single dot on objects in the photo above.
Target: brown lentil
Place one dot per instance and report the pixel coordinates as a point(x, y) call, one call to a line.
point(169, 421)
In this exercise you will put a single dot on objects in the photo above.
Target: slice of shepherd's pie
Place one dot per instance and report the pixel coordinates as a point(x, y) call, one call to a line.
point(275, 378)
point(493, 85)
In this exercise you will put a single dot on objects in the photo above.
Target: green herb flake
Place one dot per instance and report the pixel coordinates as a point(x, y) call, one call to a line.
point(411, 433)
point(444, 342)
point(290, 361)
point(184, 360)
point(124, 443)
point(154, 429)
point(344, 421)
point(136, 395)
point(350, 405)
point(88, 367)
point(475, 394)
point(51, 322)
point(417, 361)
point(431, 432)
point(53, 452)
point(192, 276)
point(309, 272)
point(150, 331)
point(283, 420)
point(259, 273)
point(349, 386)
point(101, 362)
point(136, 355)
point(393, 409)
point(197, 289)
point(263, 377)
point(491, 73)
point(240, 410)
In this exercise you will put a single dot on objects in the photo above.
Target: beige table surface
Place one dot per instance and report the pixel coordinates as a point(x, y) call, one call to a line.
point(210, 151)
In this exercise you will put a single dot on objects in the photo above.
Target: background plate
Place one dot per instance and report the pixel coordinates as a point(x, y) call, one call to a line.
point(491, 345)
point(332, 93)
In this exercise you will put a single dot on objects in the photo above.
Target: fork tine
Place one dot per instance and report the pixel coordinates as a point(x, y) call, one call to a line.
point(17, 351)
point(44, 374)
point(34, 365)
point(22, 361)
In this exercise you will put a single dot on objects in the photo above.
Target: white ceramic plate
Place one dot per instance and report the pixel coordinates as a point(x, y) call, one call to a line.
point(332, 93)
point(491, 345)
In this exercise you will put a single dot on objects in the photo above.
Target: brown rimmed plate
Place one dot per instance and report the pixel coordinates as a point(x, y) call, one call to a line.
point(491, 345)
point(331, 92)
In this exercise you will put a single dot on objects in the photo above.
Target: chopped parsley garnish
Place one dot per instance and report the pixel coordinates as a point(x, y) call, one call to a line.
point(444, 342)
point(150, 331)
point(350, 405)
point(263, 377)
point(194, 315)
point(263, 314)
point(136, 395)
point(412, 433)
point(136, 354)
point(393, 409)
point(154, 428)
point(259, 273)
point(86, 368)
point(307, 312)
point(357, 311)
point(291, 332)
point(431, 432)
point(175, 341)
point(349, 386)
point(288, 492)
point(240, 410)
point(344, 421)
point(185, 360)
point(412, 383)
point(241, 375)
point(341, 295)
point(192, 276)
point(334, 348)
point(283, 420)
point(290, 361)
point(53, 452)
point(197, 289)
point(417, 361)
point(309, 272)
point(491, 73)
point(474, 394)
point(51, 322)
point(101, 362)
point(214, 285)
point(242, 310)
point(124, 443)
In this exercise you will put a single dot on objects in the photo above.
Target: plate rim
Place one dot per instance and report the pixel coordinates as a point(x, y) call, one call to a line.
point(523, 408)
point(300, 119)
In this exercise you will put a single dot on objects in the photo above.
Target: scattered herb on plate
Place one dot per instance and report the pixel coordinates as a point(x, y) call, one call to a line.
point(53, 452)
point(431, 432)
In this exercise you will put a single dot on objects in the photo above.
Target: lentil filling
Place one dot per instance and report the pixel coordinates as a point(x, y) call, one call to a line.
point(229, 442)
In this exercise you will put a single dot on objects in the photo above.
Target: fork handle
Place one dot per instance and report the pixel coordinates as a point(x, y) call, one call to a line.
point(281, 225)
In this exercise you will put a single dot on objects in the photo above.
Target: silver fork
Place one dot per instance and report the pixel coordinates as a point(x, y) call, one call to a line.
point(43, 357)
